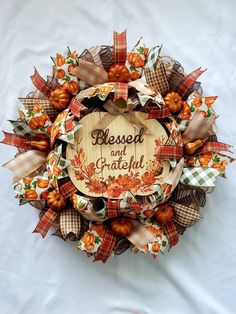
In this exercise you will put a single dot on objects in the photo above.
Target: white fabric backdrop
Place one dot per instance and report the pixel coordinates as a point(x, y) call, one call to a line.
point(50, 276)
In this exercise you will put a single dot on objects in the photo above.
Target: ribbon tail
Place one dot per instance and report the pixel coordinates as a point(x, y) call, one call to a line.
point(45, 222)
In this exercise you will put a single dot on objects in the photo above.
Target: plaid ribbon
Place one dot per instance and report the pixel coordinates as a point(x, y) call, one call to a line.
point(46, 222)
point(188, 81)
point(157, 77)
point(198, 176)
point(198, 127)
point(117, 207)
point(13, 139)
point(120, 47)
point(106, 56)
point(113, 208)
point(152, 58)
point(185, 216)
point(120, 90)
point(70, 222)
point(67, 189)
point(45, 87)
point(140, 236)
point(76, 107)
point(155, 112)
point(29, 104)
point(95, 55)
point(90, 73)
point(171, 233)
point(215, 147)
point(169, 152)
point(106, 248)
point(25, 163)
point(21, 128)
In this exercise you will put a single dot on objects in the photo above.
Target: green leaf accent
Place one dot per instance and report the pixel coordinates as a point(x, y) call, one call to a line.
point(209, 112)
point(192, 108)
point(216, 159)
point(141, 50)
point(27, 186)
point(97, 240)
point(33, 184)
point(66, 78)
point(132, 68)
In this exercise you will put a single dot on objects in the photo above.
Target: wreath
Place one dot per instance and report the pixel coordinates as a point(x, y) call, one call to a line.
point(117, 150)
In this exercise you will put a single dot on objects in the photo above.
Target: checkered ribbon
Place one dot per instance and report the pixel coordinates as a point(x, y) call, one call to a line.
point(106, 248)
point(198, 176)
point(185, 216)
point(140, 236)
point(95, 55)
point(25, 163)
point(157, 77)
point(45, 87)
point(90, 73)
point(156, 112)
point(76, 107)
point(13, 139)
point(70, 223)
point(215, 147)
point(21, 128)
point(152, 58)
point(67, 189)
point(198, 127)
point(171, 233)
point(169, 152)
point(120, 90)
point(117, 207)
point(29, 104)
point(188, 81)
point(46, 222)
point(120, 47)
point(106, 56)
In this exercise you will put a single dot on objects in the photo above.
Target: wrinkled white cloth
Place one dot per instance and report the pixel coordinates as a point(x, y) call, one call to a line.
point(50, 276)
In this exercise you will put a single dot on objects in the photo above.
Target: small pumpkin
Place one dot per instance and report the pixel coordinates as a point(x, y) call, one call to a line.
point(60, 60)
point(164, 214)
point(56, 201)
point(185, 111)
point(42, 183)
point(121, 226)
point(135, 60)
point(71, 86)
point(71, 68)
point(40, 144)
point(134, 76)
point(205, 158)
point(191, 147)
point(60, 99)
point(44, 195)
point(89, 241)
point(36, 122)
point(31, 194)
point(118, 73)
point(174, 102)
point(60, 73)
point(27, 180)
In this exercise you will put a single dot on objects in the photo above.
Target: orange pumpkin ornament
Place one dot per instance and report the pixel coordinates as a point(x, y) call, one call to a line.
point(41, 145)
point(174, 102)
point(56, 201)
point(134, 76)
point(60, 99)
point(185, 111)
point(205, 158)
point(164, 214)
point(118, 73)
point(71, 86)
point(121, 226)
point(192, 147)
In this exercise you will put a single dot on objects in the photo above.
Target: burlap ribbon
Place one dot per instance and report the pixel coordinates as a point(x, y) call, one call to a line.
point(114, 111)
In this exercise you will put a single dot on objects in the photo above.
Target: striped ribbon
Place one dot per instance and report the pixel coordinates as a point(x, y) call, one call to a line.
point(46, 222)
point(106, 248)
point(120, 47)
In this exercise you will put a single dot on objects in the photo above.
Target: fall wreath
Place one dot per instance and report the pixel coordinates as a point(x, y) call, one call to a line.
point(117, 150)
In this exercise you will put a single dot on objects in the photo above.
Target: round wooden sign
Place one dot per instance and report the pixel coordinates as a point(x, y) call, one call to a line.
point(118, 158)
